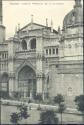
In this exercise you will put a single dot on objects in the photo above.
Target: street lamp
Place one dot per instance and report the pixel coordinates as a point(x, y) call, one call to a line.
point(0, 90)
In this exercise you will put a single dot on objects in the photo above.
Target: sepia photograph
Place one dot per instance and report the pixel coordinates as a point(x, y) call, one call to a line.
point(41, 62)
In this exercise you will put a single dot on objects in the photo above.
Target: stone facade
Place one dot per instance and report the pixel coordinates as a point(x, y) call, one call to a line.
point(41, 60)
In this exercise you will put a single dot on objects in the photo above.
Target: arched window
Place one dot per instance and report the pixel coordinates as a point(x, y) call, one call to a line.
point(33, 44)
point(24, 45)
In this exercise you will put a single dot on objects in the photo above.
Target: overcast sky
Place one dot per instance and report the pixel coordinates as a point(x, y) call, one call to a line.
point(20, 12)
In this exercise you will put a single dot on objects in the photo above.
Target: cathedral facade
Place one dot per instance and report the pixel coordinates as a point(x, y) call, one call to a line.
point(41, 60)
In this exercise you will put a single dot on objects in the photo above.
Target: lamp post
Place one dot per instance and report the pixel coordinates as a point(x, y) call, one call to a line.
point(0, 91)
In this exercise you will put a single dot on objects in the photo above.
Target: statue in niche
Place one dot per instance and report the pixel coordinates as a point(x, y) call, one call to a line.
point(47, 82)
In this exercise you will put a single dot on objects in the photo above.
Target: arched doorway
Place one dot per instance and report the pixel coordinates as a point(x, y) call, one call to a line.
point(5, 85)
point(27, 82)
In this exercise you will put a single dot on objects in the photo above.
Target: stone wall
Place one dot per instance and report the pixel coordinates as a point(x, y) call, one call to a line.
point(67, 81)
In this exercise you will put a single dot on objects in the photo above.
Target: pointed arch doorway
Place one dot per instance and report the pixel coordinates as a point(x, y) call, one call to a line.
point(27, 82)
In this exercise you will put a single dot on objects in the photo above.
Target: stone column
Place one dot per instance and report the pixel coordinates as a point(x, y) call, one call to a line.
point(11, 66)
point(39, 74)
point(31, 84)
point(39, 65)
point(39, 84)
point(11, 84)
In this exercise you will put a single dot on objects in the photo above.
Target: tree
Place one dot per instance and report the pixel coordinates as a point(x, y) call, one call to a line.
point(23, 112)
point(61, 109)
point(79, 100)
point(48, 117)
point(14, 118)
point(59, 99)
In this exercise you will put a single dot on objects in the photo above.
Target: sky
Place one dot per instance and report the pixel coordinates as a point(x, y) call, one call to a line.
point(19, 12)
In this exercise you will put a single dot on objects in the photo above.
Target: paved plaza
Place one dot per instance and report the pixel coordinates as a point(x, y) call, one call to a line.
point(35, 116)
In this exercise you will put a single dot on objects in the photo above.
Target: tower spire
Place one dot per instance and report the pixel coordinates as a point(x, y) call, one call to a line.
point(51, 25)
point(2, 28)
point(47, 22)
point(0, 12)
point(32, 20)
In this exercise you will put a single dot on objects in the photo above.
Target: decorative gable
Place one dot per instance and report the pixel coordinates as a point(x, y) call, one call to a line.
point(32, 26)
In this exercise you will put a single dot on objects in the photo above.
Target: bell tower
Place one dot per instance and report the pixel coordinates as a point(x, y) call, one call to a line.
point(0, 12)
point(2, 28)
